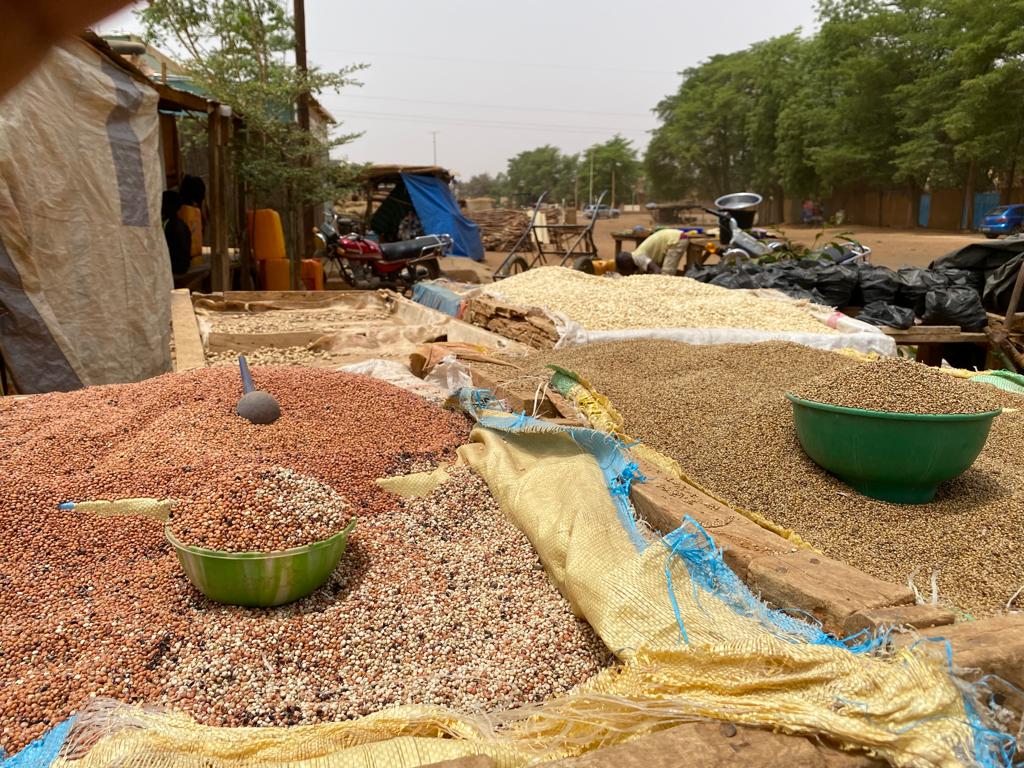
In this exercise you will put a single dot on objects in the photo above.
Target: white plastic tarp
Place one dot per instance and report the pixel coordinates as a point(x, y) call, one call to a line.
point(85, 277)
point(852, 333)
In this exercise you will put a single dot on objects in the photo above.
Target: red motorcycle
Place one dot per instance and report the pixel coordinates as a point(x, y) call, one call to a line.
point(366, 264)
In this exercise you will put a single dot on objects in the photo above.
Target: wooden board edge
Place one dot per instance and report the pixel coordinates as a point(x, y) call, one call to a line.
point(189, 352)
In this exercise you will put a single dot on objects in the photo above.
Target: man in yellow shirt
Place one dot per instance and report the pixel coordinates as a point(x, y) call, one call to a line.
point(666, 248)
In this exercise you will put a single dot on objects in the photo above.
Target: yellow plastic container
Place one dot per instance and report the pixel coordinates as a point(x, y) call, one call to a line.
point(312, 275)
point(266, 234)
point(275, 274)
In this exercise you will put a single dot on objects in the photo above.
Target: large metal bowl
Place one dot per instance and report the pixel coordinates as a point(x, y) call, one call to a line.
point(261, 579)
point(739, 201)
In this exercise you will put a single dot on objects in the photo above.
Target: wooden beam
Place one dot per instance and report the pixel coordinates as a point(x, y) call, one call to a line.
point(173, 100)
point(220, 266)
point(770, 565)
point(188, 344)
point(935, 334)
point(995, 646)
point(1018, 287)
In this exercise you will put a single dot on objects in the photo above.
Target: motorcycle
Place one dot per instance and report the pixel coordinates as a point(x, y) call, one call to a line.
point(735, 214)
point(366, 264)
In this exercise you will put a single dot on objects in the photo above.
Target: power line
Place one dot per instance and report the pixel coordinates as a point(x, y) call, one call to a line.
point(517, 108)
point(501, 63)
point(407, 118)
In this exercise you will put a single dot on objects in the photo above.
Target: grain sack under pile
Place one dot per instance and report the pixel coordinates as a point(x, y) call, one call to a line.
point(440, 600)
point(720, 412)
point(651, 301)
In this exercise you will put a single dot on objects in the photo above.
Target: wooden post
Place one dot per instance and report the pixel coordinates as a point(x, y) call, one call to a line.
point(1011, 308)
point(220, 266)
point(369, 207)
point(244, 244)
point(303, 214)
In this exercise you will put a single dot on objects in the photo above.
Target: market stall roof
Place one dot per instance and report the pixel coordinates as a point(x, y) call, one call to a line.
point(171, 99)
point(384, 173)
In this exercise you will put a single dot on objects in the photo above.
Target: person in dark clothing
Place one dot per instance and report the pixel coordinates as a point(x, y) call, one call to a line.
point(177, 233)
point(193, 191)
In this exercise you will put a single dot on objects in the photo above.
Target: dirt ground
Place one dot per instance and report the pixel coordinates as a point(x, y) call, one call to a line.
point(890, 247)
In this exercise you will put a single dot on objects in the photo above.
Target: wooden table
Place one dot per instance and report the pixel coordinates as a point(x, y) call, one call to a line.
point(930, 340)
point(635, 237)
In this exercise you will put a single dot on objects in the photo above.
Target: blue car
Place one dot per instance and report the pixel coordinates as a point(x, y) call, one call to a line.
point(1004, 220)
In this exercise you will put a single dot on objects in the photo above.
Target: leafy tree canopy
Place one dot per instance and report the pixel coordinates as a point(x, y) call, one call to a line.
point(238, 53)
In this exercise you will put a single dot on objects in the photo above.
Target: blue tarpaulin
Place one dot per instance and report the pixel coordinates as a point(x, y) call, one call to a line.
point(440, 215)
point(437, 297)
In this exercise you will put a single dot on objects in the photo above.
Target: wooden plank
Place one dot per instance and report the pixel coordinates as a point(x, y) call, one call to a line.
point(188, 344)
point(993, 646)
point(914, 616)
point(714, 744)
point(664, 503)
point(250, 342)
point(520, 399)
point(772, 566)
point(938, 334)
point(827, 589)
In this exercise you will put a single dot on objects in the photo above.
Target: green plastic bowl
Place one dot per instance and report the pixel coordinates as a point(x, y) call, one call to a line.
point(895, 457)
point(261, 579)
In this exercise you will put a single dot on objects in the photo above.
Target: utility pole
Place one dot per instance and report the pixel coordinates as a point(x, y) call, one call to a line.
point(433, 135)
point(591, 195)
point(304, 213)
point(614, 166)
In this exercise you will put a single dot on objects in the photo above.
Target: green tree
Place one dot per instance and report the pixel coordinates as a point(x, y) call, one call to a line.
point(963, 111)
point(613, 161)
point(481, 185)
point(859, 60)
point(236, 52)
point(701, 146)
point(545, 168)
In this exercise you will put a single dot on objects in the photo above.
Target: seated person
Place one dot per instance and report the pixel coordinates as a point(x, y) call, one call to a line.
point(193, 193)
point(176, 232)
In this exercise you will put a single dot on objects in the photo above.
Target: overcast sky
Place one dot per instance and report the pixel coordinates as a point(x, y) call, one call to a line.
point(495, 78)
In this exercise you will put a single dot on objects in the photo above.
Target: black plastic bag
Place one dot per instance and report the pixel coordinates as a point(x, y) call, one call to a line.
point(771, 277)
point(958, 305)
point(734, 278)
point(877, 284)
point(700, 273)
point(836, 284)
point(963, 278)
point(887, 315)
point(795, 292)
point(914, 286)
point(999, 286)
point(985, 257)
point(804, 275)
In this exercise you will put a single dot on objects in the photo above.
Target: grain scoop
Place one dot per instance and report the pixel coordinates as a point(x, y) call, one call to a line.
point(257, 406)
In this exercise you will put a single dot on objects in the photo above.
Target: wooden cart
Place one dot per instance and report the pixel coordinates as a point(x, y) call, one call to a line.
point(565, 242)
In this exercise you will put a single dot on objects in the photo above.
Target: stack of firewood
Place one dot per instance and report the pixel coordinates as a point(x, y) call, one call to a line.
point(500, 227)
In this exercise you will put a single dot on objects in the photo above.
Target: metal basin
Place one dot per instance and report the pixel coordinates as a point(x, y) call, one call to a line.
point(739, 201)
